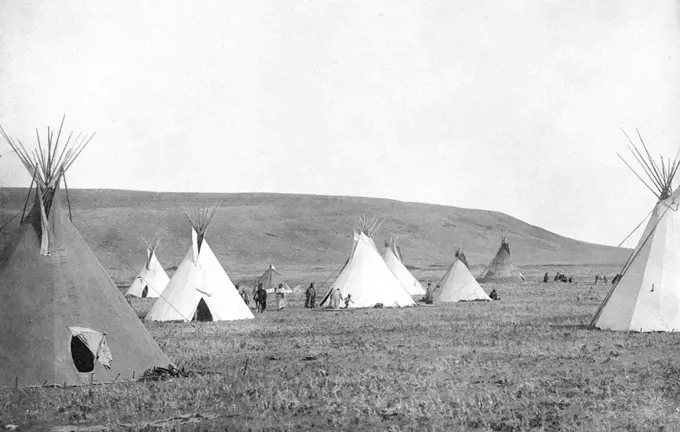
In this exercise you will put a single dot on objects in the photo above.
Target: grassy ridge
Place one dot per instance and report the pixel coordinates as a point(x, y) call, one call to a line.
point(304, 233)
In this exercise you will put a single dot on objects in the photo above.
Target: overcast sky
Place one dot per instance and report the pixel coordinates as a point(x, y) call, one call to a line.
point(513, 106)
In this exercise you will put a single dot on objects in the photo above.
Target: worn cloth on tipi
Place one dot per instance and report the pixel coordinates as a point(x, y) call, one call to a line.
point(501, 269)
point(647, 297)
point(391, 257)
point(63, 319)
point(151, 280)
point(458, 284)
point(200, 289)
point(368, 280)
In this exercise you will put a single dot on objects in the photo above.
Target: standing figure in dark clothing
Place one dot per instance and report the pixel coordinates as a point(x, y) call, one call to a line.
point(311, 296)
point(262, 298)
point(545, 277)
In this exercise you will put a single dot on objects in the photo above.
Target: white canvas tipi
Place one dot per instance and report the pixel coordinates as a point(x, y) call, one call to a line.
point(647, 296)
point(152, 279)
point(458, 284)
point(367, 278)
point(394, 262)
point(200, 289)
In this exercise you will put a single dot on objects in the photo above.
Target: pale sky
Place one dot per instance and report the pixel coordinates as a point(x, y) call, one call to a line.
point(513, 106)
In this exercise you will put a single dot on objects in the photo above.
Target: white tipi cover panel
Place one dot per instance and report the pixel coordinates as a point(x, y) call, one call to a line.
point(401, 272)
point(203, 278)
point(458, 284)
point(647, 298)
point(368, 279)
point(152, 277)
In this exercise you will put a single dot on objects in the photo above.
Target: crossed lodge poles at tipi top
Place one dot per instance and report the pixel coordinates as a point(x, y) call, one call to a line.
point(152, 279)
point(200, 289)
point(63, 320)
point(647, 296)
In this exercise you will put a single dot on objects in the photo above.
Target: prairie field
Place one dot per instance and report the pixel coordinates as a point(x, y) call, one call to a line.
point(526, 362)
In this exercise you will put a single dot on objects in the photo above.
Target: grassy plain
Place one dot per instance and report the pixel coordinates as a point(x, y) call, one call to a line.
point(526, 362)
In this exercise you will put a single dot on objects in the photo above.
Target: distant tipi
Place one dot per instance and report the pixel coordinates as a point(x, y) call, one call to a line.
point(63, 320)
point(366, 277)
point(200, 289)
point(458, 284)
point(393, 259)
point(152, 279)
point(501, 269)
point(647, 296)
point(271, 278)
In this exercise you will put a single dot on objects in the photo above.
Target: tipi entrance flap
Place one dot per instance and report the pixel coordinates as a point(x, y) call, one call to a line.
point(95, 341)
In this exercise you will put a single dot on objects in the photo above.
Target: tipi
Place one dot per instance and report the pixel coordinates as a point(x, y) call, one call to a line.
point(152, 279)
point(366, 277)
point(647, 296)
point(458, 284)
point(392, 257)
point(271, 279)
point(501, 269)
point(200, 289)
point(63, 320)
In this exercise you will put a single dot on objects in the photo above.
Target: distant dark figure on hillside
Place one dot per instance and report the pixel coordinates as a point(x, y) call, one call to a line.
point(545, 277)
point(571, 278)
point(493, 295)
point(604, 279)
point(557, 277)
point(563, 278)
point(311, 296)
point(348, 300)
point(261, 299)
point(597, 279)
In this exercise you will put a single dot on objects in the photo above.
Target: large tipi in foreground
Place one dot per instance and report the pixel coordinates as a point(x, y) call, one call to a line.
point(200, 289)
point(366, 276)
point(647, 296)
point(152, 279)
point(393, 259)
point(63, 320)
point(501, 269)
point(458, 284)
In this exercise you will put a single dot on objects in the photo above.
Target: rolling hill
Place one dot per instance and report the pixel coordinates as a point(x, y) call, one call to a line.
point(303, 232)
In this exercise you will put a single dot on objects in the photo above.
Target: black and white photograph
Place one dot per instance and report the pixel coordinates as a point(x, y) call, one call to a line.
point(379, 215)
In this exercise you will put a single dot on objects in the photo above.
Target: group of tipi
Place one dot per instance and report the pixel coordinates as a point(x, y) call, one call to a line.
point(64, 321)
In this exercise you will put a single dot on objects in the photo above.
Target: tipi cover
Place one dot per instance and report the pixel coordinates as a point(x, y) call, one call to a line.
point(501, 269)
point(458, 284)
point(200, 289)
point(647, 297)
point(368, 279)
point(151, 280)
point(393, 261)
point(63, 320)
point(271, 279)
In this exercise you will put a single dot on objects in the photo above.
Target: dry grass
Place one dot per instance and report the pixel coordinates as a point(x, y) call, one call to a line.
point(524, 363)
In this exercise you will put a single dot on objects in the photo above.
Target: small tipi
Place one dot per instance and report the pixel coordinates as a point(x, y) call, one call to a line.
point(647, 296)
point(271, 279)
point(63, 320)
point(152, 279)
point(501, 269)
point(458, 284)
point(392, 257)
point(200, 289)
point(366, 277)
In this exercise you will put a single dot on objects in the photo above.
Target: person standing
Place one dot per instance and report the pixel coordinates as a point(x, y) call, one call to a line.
point(262, 296)
point(280, 298)
point(311, 296)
